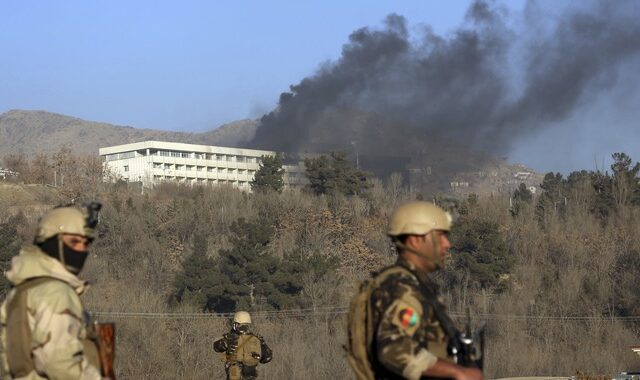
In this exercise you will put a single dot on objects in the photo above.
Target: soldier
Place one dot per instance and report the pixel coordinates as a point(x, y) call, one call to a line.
point(395, 333)
point(242, 350)
point(44, 329)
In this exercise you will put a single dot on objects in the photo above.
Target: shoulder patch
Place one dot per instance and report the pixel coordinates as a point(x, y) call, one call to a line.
point(405, 317)
point(408, 317)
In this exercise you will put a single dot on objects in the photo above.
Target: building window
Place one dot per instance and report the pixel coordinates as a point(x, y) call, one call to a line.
point(126, 168)
point(199, 168)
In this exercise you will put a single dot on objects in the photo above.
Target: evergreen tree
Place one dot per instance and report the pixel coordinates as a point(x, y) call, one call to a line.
point(269, 176)
point(521, 197)
point(625, 181)
point(479, 248)
point(246, 275)
point(551, 200)
point(334, 174)
point(198, 282)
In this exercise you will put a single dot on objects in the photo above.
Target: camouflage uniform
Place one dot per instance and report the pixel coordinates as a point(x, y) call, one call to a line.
point(228, 345)
point(407, 339)
point(55, 316)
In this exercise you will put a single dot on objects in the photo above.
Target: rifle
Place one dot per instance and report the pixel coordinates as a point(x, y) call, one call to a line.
point(106, 342)
point(467, 349)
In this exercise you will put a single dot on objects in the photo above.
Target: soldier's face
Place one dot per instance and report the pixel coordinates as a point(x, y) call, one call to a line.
point(433, 248)
point(76, 242)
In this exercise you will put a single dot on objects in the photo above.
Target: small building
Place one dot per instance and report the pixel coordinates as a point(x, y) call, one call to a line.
point(6, 173)
point(152, 162)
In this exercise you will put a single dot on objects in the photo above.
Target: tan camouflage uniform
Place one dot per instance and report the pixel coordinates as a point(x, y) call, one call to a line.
point(407, 339)
point(228, 345)
point(55, 316)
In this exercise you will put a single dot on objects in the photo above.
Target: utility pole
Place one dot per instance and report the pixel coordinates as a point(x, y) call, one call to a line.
point(355, 147)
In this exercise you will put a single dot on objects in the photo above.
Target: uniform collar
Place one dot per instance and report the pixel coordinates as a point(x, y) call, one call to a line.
point(420, 275)
point(32, 263)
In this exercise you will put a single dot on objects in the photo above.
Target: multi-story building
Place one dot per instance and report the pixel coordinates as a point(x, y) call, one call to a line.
point(151, 162)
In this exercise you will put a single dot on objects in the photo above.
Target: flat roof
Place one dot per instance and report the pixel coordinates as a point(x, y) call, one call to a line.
point(165, 145)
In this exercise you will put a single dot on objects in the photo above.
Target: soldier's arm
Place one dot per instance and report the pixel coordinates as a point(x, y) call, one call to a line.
point(220, 345)
point(266, 355)
point(452, 371)
point(398, 347)
point(56, 314)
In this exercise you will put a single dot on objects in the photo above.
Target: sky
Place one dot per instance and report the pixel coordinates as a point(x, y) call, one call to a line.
point(195, 65)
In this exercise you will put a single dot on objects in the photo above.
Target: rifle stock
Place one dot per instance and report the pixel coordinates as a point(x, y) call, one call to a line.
point(106, 341)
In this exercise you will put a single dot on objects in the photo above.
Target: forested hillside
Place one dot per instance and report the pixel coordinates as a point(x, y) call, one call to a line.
point(554, 275)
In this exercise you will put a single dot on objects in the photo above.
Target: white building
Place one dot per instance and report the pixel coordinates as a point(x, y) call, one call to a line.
point(151, 162)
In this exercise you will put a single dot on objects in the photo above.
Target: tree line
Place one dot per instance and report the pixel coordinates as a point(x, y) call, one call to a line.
point(569, 251)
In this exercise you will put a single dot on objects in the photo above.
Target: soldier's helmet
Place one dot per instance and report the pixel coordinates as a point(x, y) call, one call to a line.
point(418, 218)
point(68, 220)
point(242, 318)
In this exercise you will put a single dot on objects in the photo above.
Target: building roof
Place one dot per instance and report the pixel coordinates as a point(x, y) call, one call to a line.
point(152, 144)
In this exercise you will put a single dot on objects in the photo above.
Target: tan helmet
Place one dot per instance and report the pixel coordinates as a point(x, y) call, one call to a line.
point(418, 218)
point(63, 220)
point(242, 318)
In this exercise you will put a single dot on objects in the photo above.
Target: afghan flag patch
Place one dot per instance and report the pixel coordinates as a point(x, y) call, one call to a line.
point(409, 317)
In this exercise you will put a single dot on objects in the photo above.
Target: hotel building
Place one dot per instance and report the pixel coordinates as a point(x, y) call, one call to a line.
point(152, 162)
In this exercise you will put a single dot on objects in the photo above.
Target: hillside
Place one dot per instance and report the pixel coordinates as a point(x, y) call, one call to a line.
point(544, 278)
point(33, 132)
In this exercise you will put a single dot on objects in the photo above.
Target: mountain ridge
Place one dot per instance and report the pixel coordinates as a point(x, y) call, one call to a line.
point(35, 131)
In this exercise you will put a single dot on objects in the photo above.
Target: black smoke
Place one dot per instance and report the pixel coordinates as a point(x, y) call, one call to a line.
point(497, 78)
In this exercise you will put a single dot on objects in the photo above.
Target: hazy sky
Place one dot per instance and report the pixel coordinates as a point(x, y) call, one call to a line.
point(194, 65)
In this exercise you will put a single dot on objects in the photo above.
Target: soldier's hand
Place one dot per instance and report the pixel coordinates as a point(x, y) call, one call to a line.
point(469, 374)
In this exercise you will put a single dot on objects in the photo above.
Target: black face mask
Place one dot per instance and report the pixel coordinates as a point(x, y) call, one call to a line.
point(241, 328)
point(73, 260)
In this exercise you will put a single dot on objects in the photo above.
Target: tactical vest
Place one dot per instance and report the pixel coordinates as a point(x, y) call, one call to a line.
point(18, 332)
point(360, 331)
point(248, 346)
point(244, 356)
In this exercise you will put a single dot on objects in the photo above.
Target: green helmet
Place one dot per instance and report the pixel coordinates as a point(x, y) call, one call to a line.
point(68, 220)
point(418, 218)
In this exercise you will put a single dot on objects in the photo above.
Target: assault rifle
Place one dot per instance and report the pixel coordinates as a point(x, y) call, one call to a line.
point(467, 349)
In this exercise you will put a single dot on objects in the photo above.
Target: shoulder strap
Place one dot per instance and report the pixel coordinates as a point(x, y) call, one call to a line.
point(18, 331)
point(447, 324)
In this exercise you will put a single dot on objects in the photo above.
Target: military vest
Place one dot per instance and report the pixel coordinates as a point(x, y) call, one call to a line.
point(359, 328)
point(248, 351)
point(18, 331)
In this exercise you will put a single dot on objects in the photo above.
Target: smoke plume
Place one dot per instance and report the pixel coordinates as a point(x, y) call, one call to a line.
point(493, 80)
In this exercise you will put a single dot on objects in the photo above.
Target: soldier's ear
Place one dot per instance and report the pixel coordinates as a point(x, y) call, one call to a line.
point(414, 240)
